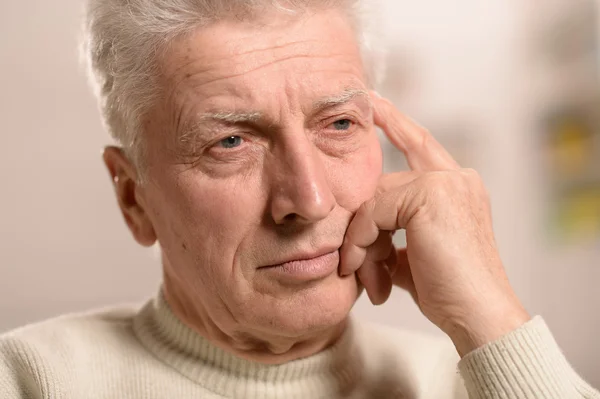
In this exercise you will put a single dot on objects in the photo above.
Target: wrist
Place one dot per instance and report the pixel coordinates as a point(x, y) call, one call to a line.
point(481, 328)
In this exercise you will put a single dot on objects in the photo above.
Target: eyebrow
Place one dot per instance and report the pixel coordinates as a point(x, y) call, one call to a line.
point(232, 118)
point(345, 97)
point(224, 117)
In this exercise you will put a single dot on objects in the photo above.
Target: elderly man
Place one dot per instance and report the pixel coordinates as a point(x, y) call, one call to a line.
point(248, 152)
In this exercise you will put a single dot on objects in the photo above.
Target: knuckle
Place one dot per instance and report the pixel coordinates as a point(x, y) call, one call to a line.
point(449, 184)
point(364, 209)
point(474, 181)
point(470, 175)
point(466, 179)
point(425, 138)
point(438, 181)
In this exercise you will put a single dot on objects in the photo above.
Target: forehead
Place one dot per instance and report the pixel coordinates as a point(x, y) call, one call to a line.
point(308, 56)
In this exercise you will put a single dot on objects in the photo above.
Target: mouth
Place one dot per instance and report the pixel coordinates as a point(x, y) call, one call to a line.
point(307, 267)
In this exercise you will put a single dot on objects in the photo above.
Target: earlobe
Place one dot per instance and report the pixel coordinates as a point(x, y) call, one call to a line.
point(133, 208)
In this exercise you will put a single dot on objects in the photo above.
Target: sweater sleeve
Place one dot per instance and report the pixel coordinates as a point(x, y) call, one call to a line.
point(526, 363)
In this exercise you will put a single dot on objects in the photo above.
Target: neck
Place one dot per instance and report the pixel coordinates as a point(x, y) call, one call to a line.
point(339, 368)
point(257, 346)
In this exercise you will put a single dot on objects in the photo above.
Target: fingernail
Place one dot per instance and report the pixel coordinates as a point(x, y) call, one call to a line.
point(343, 270)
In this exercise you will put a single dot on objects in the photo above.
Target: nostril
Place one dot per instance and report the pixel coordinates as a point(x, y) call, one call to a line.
point(290, 217)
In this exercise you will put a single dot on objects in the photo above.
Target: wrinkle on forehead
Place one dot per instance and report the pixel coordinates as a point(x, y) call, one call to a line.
point(192, 58)
point(204, 69)
point(210, 50)
point(227, 61)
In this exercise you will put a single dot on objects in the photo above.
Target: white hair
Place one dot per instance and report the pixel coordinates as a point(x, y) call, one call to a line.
point(123, 40)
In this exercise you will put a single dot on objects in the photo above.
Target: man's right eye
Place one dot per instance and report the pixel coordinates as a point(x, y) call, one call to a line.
point(231, 142)
point(342, 124)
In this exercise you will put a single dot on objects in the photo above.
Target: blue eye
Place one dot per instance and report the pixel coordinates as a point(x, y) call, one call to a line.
point(342, 124)
point(231, 142)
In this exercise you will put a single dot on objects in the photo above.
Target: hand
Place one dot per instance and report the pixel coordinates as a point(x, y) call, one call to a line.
point(451, 265)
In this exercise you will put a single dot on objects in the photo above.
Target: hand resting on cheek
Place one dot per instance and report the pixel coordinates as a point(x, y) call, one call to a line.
point(451, 265)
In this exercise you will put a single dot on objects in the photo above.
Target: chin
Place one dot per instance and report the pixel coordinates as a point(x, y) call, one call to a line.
point(312, 309)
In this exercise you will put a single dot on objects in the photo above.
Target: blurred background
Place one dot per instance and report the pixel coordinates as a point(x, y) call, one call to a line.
point(511, 88)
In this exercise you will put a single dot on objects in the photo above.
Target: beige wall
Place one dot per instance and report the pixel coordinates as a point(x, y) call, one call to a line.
point(64, 247)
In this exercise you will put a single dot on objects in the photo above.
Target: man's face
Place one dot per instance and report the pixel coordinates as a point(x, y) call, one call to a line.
point(261, 152)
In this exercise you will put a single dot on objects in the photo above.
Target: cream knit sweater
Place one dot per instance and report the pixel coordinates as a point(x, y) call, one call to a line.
point(124, 353)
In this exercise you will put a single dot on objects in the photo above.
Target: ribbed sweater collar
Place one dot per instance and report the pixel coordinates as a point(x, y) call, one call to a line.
point(326, 374)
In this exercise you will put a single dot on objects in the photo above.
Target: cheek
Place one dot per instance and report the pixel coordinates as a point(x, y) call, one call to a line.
point(225, 213)
point(354, 178)
point(210, 219)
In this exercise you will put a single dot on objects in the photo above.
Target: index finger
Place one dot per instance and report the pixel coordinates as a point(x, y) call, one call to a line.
point(421, 149)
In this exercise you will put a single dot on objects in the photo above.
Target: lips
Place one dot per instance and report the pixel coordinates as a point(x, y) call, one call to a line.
point(306, 256)
point(307, 267)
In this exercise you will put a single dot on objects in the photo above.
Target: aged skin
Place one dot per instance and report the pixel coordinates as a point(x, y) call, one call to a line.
point(260, 153)
point(264, 190)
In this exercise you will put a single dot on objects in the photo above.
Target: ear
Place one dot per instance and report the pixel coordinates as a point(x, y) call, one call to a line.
point(129, 196)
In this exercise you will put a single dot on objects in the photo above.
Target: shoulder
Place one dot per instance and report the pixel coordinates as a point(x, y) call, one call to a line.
point(73, 329)
point(425, 363)
point(54, 350)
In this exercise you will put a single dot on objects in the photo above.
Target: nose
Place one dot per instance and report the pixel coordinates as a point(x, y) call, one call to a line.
point(300, 190)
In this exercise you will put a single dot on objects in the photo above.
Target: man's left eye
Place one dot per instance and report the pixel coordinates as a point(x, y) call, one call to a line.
point(231, 142)
point(342, 124)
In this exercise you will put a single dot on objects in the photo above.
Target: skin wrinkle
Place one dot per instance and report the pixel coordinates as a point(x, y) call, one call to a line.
point(189, 136)
point(227, 204)
point(283, 46)
point(214, 65)
point(123, 42)
point(263, 66)
point(180, 82)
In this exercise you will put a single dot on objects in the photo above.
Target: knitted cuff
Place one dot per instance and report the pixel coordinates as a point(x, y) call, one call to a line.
point(525, 363)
